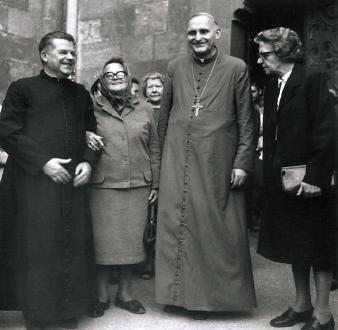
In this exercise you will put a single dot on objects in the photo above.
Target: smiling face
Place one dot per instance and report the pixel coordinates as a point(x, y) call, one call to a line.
point(113, 77)
point(59, 58)
point(202, 33)
point(269, 61)
point(154, 90)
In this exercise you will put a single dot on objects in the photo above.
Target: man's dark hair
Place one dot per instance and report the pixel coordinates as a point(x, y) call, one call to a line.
point(134, 81)
point(47, 39)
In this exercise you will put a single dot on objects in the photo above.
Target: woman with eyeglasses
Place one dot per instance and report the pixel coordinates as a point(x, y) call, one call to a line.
point(123, 182)
point(298, 225)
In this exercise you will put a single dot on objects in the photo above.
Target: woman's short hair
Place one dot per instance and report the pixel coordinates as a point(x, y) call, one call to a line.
point(151, 75)
point(285, 42)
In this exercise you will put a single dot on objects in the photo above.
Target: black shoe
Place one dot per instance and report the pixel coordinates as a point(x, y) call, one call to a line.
point(99, 309)
point(172, 309)
point(199, 315)
point(68, 324)
point(132, 306)
point(334, 285)
point(290, 318)
point(34, 325)
point(314, 324)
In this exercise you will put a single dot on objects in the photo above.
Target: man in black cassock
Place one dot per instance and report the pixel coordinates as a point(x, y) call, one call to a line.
point(47, 238)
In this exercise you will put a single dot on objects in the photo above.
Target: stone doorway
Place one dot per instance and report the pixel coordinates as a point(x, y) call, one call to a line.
point(316, 22)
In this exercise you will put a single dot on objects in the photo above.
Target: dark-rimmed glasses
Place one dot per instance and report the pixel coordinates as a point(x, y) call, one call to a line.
point(264, 55)
point(112, 75)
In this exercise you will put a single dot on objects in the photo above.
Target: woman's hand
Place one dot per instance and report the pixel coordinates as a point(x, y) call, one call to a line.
point(94, 141)
point(308, 190)
point(153, 196)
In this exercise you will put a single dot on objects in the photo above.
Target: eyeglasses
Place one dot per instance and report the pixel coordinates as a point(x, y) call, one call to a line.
point(112, 75)
point(264, 55)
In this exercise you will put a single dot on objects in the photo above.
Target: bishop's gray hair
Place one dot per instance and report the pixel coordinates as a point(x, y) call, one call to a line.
point(212, 18)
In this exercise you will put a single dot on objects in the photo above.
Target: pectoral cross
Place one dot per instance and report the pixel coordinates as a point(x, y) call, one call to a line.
point(197, 106)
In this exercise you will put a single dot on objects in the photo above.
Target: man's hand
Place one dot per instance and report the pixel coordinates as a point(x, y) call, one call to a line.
point(82, 174)
point(308, 190)
point(238, 178)
point(153, 196)
point(94, 141)
point(54, 169)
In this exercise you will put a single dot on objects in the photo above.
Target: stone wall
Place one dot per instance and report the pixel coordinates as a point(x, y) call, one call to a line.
point(147, 34)
point(22, 23)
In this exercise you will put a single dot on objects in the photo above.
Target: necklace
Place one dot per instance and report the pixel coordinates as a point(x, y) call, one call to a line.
point(197, 106)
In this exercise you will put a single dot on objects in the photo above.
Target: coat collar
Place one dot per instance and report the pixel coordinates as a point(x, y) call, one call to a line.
point(103, 103)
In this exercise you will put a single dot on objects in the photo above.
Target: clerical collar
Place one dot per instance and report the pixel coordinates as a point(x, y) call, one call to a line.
point(203, 61)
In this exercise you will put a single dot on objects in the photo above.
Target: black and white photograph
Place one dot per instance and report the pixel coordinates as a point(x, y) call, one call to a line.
point(168, 164)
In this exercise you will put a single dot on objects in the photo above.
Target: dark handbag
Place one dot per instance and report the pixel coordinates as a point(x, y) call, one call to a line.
point(149, 236)
point(292, 176)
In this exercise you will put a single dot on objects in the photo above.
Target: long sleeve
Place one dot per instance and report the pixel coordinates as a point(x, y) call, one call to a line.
point(320, 164)
point(246, 148)
point(89, 155)
point(166, 104)
point(20, 147)
point(155, 154)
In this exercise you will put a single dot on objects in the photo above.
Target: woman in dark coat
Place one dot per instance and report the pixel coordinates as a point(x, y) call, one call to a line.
point(298, 228)
point(125, 179)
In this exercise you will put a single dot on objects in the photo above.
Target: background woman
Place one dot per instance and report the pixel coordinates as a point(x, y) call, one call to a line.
point(299, 228)
point(152, 88)
point(124, 181)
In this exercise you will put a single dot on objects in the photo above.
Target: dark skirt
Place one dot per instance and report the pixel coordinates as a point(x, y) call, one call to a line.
point(298, 230)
